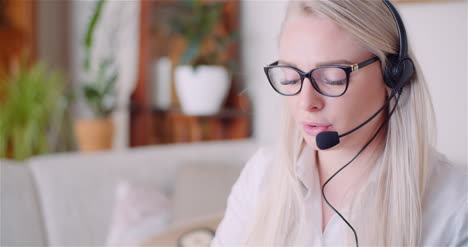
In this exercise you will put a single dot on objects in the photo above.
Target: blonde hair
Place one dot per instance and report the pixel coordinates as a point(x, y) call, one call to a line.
point(393, 203)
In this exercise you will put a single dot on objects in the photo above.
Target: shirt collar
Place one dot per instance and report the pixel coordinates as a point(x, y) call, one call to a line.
point(306, 168)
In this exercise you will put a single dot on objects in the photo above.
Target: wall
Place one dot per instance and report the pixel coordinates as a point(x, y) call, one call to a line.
point(437, 33)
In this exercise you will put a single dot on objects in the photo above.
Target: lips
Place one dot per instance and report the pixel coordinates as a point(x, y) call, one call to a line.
point(314, 129)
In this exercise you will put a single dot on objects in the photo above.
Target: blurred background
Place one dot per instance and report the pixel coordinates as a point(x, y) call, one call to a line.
point(121, 66)
point(173, 95)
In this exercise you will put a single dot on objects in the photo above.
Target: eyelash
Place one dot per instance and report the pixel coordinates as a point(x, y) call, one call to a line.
point(339, 83)
point(289, 82)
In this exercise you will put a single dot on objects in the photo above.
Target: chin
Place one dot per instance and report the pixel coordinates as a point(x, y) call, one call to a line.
point(310, 140)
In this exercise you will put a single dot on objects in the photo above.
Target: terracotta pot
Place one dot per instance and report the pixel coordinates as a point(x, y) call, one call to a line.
point(94, 134)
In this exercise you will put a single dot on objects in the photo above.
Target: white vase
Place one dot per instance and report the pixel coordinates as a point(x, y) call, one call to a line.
point(201, 91)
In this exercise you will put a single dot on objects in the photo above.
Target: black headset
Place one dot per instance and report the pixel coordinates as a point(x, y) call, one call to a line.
point(398, 73)
point(400, 68)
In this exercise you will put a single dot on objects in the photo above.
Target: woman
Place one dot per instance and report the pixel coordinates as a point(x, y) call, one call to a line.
point(398, 191)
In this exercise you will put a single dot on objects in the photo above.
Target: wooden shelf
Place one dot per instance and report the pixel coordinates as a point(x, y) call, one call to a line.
point(173, 126)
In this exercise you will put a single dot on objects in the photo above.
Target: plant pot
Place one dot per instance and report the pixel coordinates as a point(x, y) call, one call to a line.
point(94, 134)
point(201, 91)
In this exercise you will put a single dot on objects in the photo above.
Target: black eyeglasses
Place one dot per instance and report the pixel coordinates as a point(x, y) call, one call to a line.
point(330, 81)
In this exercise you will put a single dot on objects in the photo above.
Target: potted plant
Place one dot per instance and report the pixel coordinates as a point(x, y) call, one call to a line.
point(202, 79)
point(31, 107)
point(99, 93)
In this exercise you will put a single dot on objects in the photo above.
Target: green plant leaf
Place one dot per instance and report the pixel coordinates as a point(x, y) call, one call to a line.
point(88, 40)
point(30, 98)
point(109, 84)
point(198, 26)
point(191, 52)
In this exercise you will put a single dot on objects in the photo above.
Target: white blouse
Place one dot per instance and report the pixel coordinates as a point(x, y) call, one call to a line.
point(445, 209)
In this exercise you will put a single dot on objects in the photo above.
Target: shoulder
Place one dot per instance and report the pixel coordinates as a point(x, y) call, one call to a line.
point(445, 203)
point(242, 200)
point(446, 181)
point(252, 179)
point(254, 175)
point(260, 161)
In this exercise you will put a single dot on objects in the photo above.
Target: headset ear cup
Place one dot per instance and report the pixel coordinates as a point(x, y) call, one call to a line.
point(391, 72)
point(406, 68)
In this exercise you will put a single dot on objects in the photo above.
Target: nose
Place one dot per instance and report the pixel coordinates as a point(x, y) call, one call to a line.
point(309, 99)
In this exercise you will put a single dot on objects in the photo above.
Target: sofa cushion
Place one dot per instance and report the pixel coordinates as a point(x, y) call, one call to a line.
point(76, 190)
point(21, 220)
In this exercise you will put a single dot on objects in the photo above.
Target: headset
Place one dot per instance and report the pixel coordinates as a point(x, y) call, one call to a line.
point(398, 73)
point(399, 69)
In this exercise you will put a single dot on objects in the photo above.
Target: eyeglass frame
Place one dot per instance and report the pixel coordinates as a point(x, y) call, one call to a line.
point(347, 68)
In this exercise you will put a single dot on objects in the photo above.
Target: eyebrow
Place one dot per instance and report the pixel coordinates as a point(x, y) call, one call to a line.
point(326, 63)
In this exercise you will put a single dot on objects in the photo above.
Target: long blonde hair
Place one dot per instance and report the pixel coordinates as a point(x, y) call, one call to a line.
point(393, 203)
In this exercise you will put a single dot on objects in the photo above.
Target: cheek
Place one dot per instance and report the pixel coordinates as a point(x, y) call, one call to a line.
point(363, 99)
point(293, 107)
point(291, 103)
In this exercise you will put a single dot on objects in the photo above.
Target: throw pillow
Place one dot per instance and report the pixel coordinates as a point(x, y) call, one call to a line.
point(139, 213)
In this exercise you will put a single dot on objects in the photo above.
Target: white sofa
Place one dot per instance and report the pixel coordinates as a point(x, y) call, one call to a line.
point(67, 199)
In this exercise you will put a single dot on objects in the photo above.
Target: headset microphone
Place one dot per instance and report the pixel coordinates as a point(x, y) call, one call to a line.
point(327, 139)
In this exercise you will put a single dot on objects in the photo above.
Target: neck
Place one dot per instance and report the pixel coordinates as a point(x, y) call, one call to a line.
point(348, 180)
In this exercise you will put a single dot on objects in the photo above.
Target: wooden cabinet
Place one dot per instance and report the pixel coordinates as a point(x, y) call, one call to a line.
point(150, 125)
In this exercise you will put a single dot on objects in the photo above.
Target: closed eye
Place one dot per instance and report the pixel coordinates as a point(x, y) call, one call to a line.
point(289, 82)
point(337, 83)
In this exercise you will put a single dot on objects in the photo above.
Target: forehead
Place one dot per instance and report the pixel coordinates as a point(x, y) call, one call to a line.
point(310, 41)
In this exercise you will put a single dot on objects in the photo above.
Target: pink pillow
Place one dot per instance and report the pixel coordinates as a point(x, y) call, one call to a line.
point(139, 213)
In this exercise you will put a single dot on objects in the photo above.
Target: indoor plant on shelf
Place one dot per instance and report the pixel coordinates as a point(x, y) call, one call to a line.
point(99, 93)
point(202, 78)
